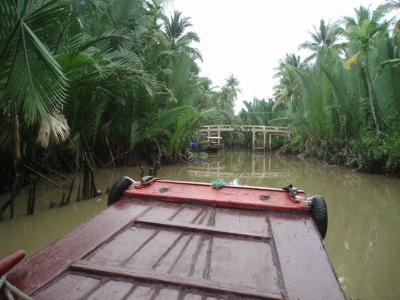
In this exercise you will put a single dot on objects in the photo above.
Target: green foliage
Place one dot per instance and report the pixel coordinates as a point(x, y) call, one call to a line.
point(31, 80)
point(342, 102)
point(113, 78)
point(376, 155)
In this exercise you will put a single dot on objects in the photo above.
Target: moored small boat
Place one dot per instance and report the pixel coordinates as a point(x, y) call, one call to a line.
point(163, 239)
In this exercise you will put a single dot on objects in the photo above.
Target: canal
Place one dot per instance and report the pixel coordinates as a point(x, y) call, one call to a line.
point(363, 238)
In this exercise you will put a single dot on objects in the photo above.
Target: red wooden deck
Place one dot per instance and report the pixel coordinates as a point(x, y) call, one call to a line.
point(230, 196)
point(198, 248)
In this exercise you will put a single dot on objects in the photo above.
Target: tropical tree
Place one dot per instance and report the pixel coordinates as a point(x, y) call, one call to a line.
point(105, 79)
point(177, 36)
point(327, 36)
point(227, 95)
point(287, 88)
point(363, 32)
point(343, 103)
point(33, 86)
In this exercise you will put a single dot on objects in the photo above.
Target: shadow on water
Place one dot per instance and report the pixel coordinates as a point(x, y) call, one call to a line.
point(363, 238)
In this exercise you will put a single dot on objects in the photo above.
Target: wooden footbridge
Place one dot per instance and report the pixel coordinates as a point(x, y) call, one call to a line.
point(214, 132)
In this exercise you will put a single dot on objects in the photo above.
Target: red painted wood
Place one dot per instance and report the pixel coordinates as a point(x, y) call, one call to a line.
point(142, 293)
point(167, 294)
point(186, 282)
point(243, 263)
point(141, 249)
point(122, 247)
point(167, 261)
point(186, 259)
point(54, 259)
point(187, 214)
point(232, 196)
point(242, 221)
point(115, 290)
point(70, 286)
point(152, 251)
point(201, 228)
point(193, 297)
point(10, 261)
point(306, 270)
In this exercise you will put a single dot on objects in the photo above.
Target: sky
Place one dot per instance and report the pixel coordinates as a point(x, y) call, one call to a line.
point(248, 38)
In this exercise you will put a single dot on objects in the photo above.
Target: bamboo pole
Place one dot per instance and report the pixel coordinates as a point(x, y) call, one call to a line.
point(68, 200)
point(55, 172)
point(41, 175)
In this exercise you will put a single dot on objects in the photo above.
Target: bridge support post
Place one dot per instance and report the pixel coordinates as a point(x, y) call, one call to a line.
point(264, 140)
point(269, 142)
point(254, 139)
point(252, 165)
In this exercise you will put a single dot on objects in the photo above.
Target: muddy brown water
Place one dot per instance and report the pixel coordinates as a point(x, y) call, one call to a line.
point(363, 239)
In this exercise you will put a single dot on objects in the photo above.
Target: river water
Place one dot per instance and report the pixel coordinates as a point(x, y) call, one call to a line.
point(363, 239)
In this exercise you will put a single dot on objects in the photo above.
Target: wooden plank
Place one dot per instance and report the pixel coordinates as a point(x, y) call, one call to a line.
point(163, 211)
point(115, 290)
point(243, 263)
point(247, 221)
point(200, 268)
point(193, 297)
point(171, 255)
point(167, 294)
point(153, 251)
point(54, 259)
point(187, 259)
point(201, 228)
point(230, 196)
point(306, 270)
point(121, 247)
point(70, 286)
point(142, 293)
point(187, 214)
point(201, 284)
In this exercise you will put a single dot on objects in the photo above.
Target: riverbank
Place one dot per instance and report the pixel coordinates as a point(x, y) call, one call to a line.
point(376, 154)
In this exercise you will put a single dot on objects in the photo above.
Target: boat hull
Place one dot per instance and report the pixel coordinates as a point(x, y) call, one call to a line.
point(190, 242)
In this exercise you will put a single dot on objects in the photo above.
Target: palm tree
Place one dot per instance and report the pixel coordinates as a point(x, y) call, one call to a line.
point(325, 37)
point(288, 85)
point(227, 96)
point(391, 5)
point(179, 39)
point(394, 5)
point(362, 32)
point(32, 84)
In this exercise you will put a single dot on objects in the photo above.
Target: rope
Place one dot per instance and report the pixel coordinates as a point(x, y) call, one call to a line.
point(218, 184)
point(9, 289)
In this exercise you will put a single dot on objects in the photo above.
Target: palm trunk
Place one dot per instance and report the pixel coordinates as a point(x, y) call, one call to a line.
point(16, 154)
point(16, 133)
point(370, 94)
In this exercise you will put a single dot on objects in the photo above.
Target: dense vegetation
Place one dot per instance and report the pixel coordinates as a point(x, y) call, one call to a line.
point(104, 80)
point(107, 81)
point(343, 101)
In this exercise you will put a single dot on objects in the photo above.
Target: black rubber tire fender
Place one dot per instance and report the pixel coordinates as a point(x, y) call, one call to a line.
point(119, 186)
point(319, 212)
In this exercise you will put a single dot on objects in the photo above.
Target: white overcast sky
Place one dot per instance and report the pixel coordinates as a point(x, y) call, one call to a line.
point(247, 38)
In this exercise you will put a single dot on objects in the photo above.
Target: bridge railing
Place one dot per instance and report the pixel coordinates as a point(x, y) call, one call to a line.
point(256, 128)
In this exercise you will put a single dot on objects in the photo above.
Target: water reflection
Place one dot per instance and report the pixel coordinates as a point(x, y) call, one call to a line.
point(216, 167)
point(363, 238)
